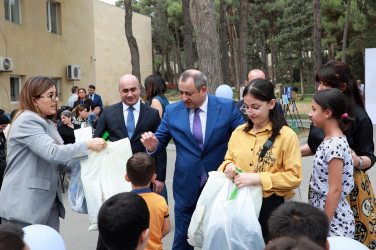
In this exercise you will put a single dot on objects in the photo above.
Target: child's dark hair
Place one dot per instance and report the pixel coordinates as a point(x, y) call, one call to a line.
point(121, 220)
point(140, 169)
point(263, 90)
point(334, 100)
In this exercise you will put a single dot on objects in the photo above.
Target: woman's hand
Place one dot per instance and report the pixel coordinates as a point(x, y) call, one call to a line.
point(230, 171)
point(96, 144)
point(246, 179)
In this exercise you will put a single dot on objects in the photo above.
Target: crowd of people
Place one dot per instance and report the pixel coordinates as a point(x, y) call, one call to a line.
point(249, 141)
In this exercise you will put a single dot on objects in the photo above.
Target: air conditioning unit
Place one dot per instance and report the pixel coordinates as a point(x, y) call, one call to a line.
point(6, 64)
point(73, 72)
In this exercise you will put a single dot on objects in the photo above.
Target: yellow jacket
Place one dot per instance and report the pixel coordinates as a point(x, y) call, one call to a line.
point(281, 169)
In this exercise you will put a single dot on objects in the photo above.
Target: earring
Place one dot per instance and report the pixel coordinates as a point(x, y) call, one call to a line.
point(38, 111)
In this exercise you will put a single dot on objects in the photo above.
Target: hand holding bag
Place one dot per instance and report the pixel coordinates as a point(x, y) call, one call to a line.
point(220, 223)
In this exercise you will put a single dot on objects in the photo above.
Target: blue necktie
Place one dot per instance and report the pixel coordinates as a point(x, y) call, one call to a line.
point(197, 134)
point(130, 122)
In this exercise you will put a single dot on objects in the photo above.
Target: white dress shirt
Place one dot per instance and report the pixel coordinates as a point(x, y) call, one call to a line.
point(136, 112)
point(91, 96)
point(203, 117)
point(71, 100)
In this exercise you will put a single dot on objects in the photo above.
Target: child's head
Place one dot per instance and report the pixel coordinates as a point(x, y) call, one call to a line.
point(330, 103)
point(96, 109)
point(123, 222)
point(140, 169)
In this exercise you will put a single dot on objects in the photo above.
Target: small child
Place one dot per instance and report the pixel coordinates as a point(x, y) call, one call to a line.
point(94, 115)
point(140, 173)
point(332, 174)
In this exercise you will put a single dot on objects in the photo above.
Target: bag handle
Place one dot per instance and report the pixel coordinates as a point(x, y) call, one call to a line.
point(235, 192)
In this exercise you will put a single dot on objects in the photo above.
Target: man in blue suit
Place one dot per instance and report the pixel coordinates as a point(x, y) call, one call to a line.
point(201, 126)
point(97, 99)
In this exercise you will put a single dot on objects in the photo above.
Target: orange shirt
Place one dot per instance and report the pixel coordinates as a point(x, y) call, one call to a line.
point(158, 210)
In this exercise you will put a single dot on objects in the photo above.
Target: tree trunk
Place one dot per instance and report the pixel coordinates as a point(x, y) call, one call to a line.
point(223, 39)
point(232, 56)
point(178, 50)
point(169, 73)
point(152, 58)
point(243, 70)
point(203, 17)
point(234, 38)
point(135, 56)
point(301, 80)
point(188, 37)
point(264, 56)
point(274, 73)
point(175, 61)
point(317, 29)
point(344, 40)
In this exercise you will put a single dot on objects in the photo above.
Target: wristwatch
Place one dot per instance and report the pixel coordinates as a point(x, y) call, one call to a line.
point(360, 162)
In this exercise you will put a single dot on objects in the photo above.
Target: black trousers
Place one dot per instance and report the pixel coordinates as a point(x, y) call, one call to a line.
point(269, 204)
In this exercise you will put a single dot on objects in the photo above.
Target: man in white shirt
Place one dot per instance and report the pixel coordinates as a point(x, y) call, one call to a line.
point(131, 118)
point(73, 97)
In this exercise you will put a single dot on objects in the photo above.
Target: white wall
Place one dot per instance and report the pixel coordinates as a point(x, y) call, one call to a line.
point(370, 83)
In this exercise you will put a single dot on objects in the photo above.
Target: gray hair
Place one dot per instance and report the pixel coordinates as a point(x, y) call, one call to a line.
point(198, 77)
point(67, 113)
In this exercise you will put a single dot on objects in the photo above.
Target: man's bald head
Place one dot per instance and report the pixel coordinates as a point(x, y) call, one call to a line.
point(127, 78)
point(255, 74)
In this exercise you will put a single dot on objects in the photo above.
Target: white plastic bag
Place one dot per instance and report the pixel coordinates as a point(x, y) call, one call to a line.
point(76, 195)
point(83, 134)
point(214, 217)
point(103, 175)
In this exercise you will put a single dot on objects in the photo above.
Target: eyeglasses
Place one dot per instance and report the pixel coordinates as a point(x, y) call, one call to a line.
point(246, 110)
point(51, 96)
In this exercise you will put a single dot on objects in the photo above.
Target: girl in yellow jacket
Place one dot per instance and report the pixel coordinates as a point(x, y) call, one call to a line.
point(279, 170)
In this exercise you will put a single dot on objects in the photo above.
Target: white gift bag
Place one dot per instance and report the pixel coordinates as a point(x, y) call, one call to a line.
point(103, 175)
point(83, 134)
point(216, 216)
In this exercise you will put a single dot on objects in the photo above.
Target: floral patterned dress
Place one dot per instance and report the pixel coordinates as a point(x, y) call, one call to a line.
point(342, 223)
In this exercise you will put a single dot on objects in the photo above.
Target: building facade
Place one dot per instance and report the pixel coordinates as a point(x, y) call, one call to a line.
point(39, 37)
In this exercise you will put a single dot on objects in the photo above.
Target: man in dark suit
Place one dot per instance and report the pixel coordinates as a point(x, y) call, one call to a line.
point(131, 118)
point(97, 99)
point(254, 74)
point(201, 126)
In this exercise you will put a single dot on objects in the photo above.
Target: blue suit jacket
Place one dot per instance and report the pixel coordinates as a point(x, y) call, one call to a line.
point(97, 100)
point(222, 119)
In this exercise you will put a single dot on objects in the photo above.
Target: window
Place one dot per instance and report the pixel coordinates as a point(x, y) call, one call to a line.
point(52, 17)
point(15, 88)
point(57, 82)
point(12, 11)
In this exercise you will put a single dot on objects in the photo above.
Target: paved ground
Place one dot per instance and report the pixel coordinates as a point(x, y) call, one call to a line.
point(74, 227)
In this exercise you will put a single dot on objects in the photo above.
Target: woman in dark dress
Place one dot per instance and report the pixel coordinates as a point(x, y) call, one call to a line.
point(4, 121)
point(83, 99)
point(155, 87)
point(336, 74)
point(66, 129)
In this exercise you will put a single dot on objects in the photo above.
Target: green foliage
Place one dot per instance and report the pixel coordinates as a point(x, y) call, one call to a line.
point(361, 33)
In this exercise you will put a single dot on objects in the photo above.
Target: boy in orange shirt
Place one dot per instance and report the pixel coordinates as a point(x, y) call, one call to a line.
point(140, 173)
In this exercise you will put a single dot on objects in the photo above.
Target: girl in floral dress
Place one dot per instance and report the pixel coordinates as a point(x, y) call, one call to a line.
point(332, 174)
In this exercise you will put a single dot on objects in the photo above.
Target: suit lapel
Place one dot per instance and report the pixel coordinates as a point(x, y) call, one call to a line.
point(211, 119)
point(119, 114)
